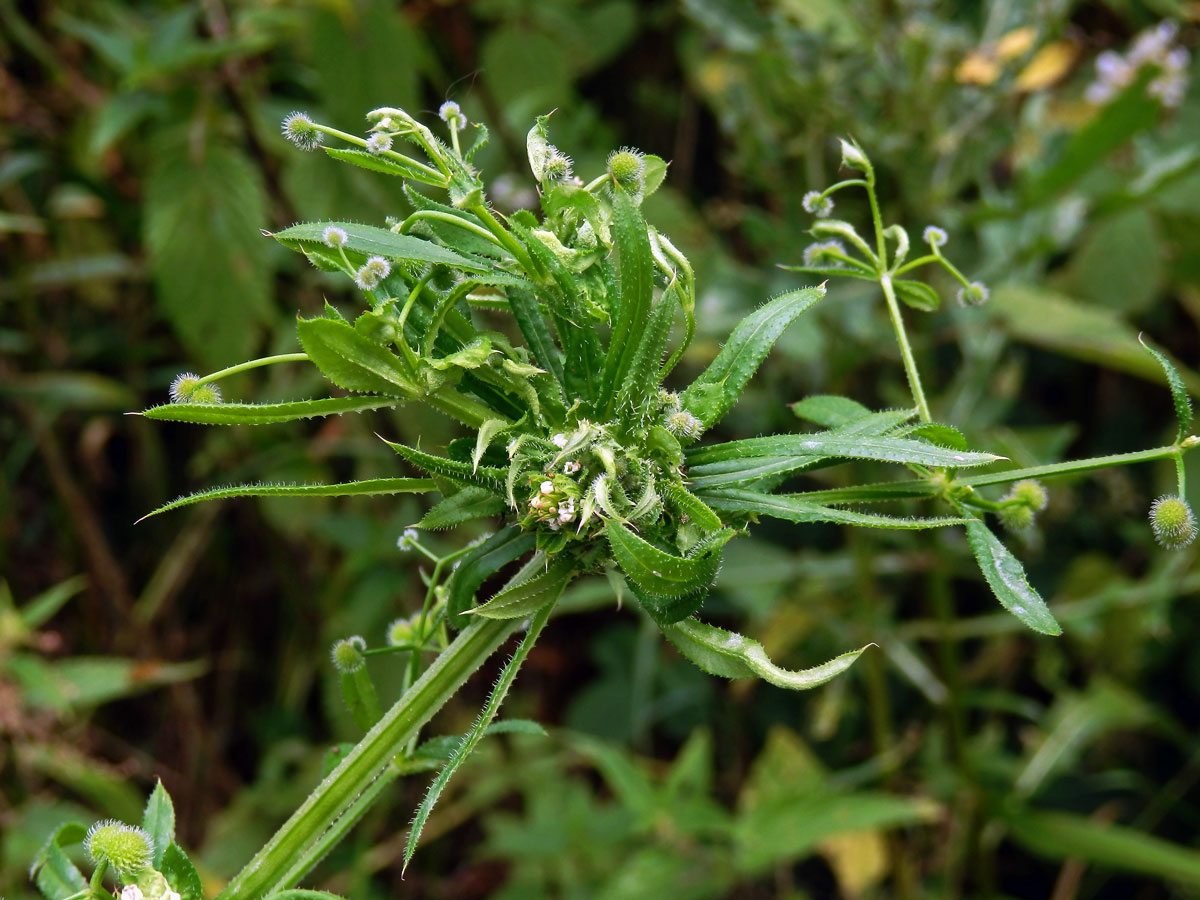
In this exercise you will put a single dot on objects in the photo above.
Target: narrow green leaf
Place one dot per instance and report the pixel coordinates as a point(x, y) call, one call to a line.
point(640, 381)
point(38, 611)
point(262, 413)
point(1179, 394)
point(713, 394)
point(487, 431)
point(469, 503)
point(378, 242)
point(475, 735)
point(936, 433)
point(661, 574)
point(536, 585)
point(876, 447)
point(360, 697)
point(158, 821)
point(1059, 835)
point(917, 294)
point(303, 894)
point(731, 655)
point(517, 726)
point(180, 873)
point(52, 871)
point(1006, 577)
point(829, 411)
point(631, 305)
point(485, 476)
point(369, 161)
point(344, 489)
point(352, 361)
point(536, 331)
point(479, 563)
point(693, 507)
point(800, 509)
point(867, 493)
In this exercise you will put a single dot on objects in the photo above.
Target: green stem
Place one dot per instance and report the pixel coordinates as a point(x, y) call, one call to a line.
point(510, 243)
point(270, 867)
point(450, 219)
point(470, 412)
point(253, 364)
point(417, 166)
point(1181, 475)
point(1066, 468)
point(910, 363)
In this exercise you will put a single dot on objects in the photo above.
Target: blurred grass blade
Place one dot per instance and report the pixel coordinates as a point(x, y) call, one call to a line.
point(343, 489)
point(1061, 835)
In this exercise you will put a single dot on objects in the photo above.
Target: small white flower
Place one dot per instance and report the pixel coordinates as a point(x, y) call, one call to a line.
point(452, 115)
point(379, 143)
point(555, 524)
point(934, 236)
point(547, 487)
point(133, 892)
point(559, 440)
point(408, 540)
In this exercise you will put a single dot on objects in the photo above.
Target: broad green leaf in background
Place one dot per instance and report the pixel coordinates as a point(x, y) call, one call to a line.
point(211, 267)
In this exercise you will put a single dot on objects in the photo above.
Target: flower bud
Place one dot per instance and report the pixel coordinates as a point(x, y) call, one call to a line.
point(1016, 517)
point(347, 655)
point(126, 848)
point(1172, 521)
point(853, 157)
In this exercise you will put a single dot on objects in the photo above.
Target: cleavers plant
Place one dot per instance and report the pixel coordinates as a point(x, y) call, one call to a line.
point(574, 444)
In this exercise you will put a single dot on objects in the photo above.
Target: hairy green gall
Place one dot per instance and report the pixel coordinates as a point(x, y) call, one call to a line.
point(1172, 521)
point(126, 848)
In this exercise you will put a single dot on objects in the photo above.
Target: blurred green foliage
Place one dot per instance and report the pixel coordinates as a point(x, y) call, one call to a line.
point(139, 160)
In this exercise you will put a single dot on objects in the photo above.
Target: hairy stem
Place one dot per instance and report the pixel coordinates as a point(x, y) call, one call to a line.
point(253, 364)
point(338, 793)
point(910, 363)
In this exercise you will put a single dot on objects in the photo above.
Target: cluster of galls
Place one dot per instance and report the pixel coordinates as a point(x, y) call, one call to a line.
point(1020, 506)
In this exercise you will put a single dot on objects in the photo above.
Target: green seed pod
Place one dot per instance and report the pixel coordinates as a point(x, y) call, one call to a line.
point(1172, 521)
point(126, 848)
point(1029, 492)
point(1017, 517)
point(347, 654)
point(628, 169)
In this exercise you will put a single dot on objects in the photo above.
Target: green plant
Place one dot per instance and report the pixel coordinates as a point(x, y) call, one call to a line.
point(593, 466)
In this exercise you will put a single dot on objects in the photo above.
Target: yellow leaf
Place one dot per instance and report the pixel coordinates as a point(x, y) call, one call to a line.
point(977, 68)
point(1016, 43)
point(858, 860)
point(1048, 65)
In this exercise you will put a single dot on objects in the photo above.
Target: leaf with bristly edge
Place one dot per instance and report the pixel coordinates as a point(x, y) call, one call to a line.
point(1179, 394)
point(262, 413)
point(473, 737)
point(659, 578)
point(800, 509)
point(731, 655)
point(158, 821)
point(373, 241)
point(479, 563)
point(352, 361)
point(464, 506)
point(1006, 577)
point(343, 489)
point(713, 394)
point(532, 588)
point(485, 476)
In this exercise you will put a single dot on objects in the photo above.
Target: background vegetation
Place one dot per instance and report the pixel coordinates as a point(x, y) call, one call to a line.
point(966, 757)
